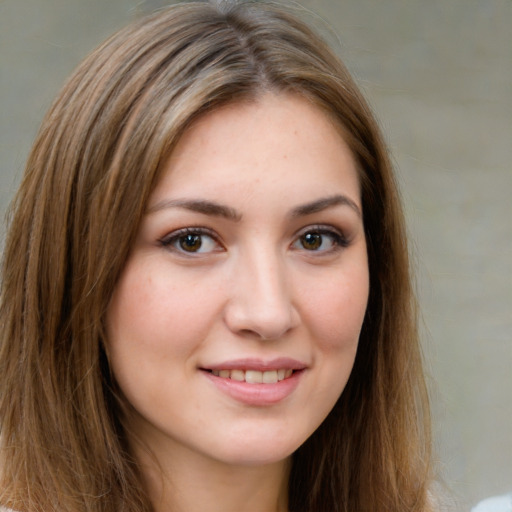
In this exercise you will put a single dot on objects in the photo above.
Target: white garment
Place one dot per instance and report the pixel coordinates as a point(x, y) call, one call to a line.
point(495, 504)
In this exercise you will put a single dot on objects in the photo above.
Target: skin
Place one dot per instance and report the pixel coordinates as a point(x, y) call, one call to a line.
point(281, 271)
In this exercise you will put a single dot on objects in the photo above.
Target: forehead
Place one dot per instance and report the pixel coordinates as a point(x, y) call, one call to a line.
point(277, 139)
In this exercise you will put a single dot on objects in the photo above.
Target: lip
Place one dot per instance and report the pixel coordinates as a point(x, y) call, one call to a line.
point(258, 395)
point(260, 365)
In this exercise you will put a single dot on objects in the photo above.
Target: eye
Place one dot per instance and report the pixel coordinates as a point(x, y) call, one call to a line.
point(192, 241)
point(320, 239)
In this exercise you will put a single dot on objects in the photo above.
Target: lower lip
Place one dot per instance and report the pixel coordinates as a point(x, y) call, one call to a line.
point(257, 394)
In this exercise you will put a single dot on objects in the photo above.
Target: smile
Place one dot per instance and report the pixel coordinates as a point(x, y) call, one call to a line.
point(254, 376)
point(256, 382)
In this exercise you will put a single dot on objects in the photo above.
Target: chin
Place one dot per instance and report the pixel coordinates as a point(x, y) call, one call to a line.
point(264, 450)
point(255, 458)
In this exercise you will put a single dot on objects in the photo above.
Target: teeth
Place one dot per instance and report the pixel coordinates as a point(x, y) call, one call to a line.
point(254, 376)
point(270, 377)
point(236, 375)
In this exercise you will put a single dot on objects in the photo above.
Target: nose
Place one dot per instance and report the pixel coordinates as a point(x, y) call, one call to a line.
point(260, 303)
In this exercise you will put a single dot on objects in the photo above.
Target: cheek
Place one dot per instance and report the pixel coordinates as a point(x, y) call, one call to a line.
point(336, 311)
point(158, 314)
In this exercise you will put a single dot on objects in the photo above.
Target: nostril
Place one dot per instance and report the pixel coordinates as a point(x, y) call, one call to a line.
point(261, 309)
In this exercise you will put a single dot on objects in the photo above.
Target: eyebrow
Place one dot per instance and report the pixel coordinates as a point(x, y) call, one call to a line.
point(324, 203)
point(200, 206)
point(218, 210)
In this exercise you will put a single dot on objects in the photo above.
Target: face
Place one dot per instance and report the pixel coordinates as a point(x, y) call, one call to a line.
point(235, 323)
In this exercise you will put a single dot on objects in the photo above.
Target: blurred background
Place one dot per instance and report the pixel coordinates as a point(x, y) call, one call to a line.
point(438, 75)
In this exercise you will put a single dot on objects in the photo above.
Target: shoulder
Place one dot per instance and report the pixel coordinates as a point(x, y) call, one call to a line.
point(495, 504)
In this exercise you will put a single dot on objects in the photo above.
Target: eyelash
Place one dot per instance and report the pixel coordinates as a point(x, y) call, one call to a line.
point(339, 241)
point(174, 240)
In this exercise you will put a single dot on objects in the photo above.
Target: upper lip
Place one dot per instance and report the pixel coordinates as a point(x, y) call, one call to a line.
point(280, 363)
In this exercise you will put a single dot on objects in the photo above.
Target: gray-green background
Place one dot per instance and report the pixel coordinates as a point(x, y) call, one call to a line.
point(438, 74)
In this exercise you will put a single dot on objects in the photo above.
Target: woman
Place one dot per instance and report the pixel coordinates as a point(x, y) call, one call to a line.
point(206, 301)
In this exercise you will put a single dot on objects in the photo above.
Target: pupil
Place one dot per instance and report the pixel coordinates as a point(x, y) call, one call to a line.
point(190, 243)
point(312, 240)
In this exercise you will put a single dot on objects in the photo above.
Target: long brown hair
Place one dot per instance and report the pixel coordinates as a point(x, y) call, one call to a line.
point(93, 165)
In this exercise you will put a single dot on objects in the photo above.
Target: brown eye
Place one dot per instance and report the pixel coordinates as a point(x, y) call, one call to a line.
point(311, 241)
point(320, 240)
point(190, 243)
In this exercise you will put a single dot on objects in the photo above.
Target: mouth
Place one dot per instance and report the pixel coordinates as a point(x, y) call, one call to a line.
point(257, 383)
point(255, 376)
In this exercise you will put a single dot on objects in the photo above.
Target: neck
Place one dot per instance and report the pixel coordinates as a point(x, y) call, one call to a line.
point(188, 482)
